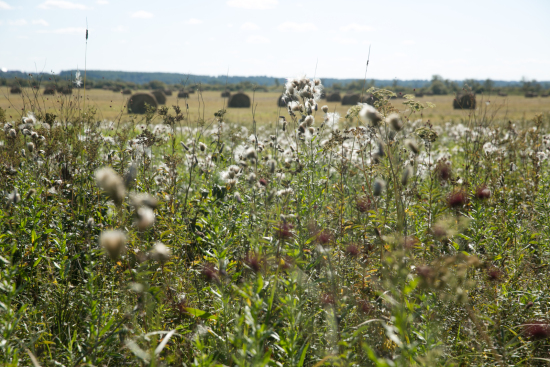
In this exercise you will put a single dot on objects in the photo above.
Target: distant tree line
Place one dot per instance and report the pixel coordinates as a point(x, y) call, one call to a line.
point(119, 81)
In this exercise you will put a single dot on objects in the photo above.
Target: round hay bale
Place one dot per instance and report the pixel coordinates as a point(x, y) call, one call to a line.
point(183, 94)
point(531, 95)
point(168, 92)
point(226, 94)
point(191, 90)
point(127, 91)
point(465, 101)
point(136, 103)
point(503, 94)
point(49, 91)
point(418, 94)
point(544, 95)
point(65, 90)
point(117, 89)
point(159, 96)
point(350, 99)
point(334, 97)
point(15, 90)
point(239, 100)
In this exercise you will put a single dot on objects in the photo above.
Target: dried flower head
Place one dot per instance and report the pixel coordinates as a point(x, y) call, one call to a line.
point(457, 199)
point(536, 330)
point(483, 192)
point(30, 194)
point(283, 231)
point(263, 182)
point(378, 186)
point(210, 272)
point(30, 146)
point(369, 114)
point(363, 204)
point(237, 197)
point(309, 120)
point(145, 218)
point(394, 120)
point(160, 252)
point(12, 133)
point(251, 178)
point(443, 170)
point(412, 146)
point(202, 147)
point(324, 108)
point(143, 199)
point(353, 250)
point(250, 154)
point(111, 183)
point(114, 242)
point(407, 173)
point(254, 262)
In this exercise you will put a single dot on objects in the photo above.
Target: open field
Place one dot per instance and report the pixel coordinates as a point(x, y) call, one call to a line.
point(394, 243)
point(111, 106)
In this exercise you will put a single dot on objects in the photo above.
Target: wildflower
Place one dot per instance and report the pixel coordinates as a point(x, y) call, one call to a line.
point(251, 154)
point(251, 178)
point(457, 199)
point(483, 192)
point(443, 170)
point(210, 273)
point(271, 164)
point(411, 144)
point(395, 121)
point(263, 182)
point(138, 200)
point(254, 262)
point(283, 230)
point(14, 197)
point(145, 218)
point(309, 120)
point(378, 187)
point(160, 252)
point(202, 147)
point(407, 173)
point(494, 274)
point(363, 204)
point(536, 330)
point(324, 108)
point(78, 79)
point(114, 242)
point(353, 250)
point(90, 223)
point(111, 183)
point(30, 146)
point(370, 114)
point(324, 237)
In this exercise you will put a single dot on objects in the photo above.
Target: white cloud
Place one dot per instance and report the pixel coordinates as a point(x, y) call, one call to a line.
point(61, 4)
point(253, 4)
point(356, 28)
point(248, 26)
point(297, 27)
point(142, 14)
point(102, 2)
point(257, 39)
point(40, 22)
point(5, 6)
point(194, 21)
point(17, 22)
point(70, 30)
point(408, 42)
point(345, 41)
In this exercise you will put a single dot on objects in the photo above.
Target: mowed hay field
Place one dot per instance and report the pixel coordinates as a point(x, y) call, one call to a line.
point(112, 106)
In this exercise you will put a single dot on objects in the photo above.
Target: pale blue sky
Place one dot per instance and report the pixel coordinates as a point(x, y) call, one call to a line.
point(504, 40)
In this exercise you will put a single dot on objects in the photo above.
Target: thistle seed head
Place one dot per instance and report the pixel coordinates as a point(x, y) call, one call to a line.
point(114, 243)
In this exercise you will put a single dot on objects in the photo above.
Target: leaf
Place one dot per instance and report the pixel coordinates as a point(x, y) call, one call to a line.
point(199, 313)
point(33, 358)
point(162, 344)
point(140, 353)
point(303, 356)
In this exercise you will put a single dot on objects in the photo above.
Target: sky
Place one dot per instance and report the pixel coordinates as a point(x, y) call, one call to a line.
point(501, 40)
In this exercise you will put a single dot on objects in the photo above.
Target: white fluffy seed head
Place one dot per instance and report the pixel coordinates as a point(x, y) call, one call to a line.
point(324, 108)
point(309, 120)
point(407, 173)
point(145, 218)
point(160, 252)
point(413, 147)
point(394, 120)
point(30, 146)
point(369, 114)
point(111, 183)
point(12, 133)
point(114, 243)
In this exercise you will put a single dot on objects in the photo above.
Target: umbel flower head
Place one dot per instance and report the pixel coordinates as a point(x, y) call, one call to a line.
point(114, 243)
point(111, 183)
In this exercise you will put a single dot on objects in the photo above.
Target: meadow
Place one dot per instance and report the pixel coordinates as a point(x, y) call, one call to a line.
point(313, 235)
point(112, 105)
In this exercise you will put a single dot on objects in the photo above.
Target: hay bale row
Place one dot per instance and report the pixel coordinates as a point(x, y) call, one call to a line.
point(183, 94)
point(49, 91)
point(350, 99)
point(15, 90)
point(127, 91)
point(239, 100)
point(159, 96)
point(168, 92)
point(334, 97)
point(503, 94)
point(531, 95)
point(465, 101)
point(226, 94)
point(137, 102)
